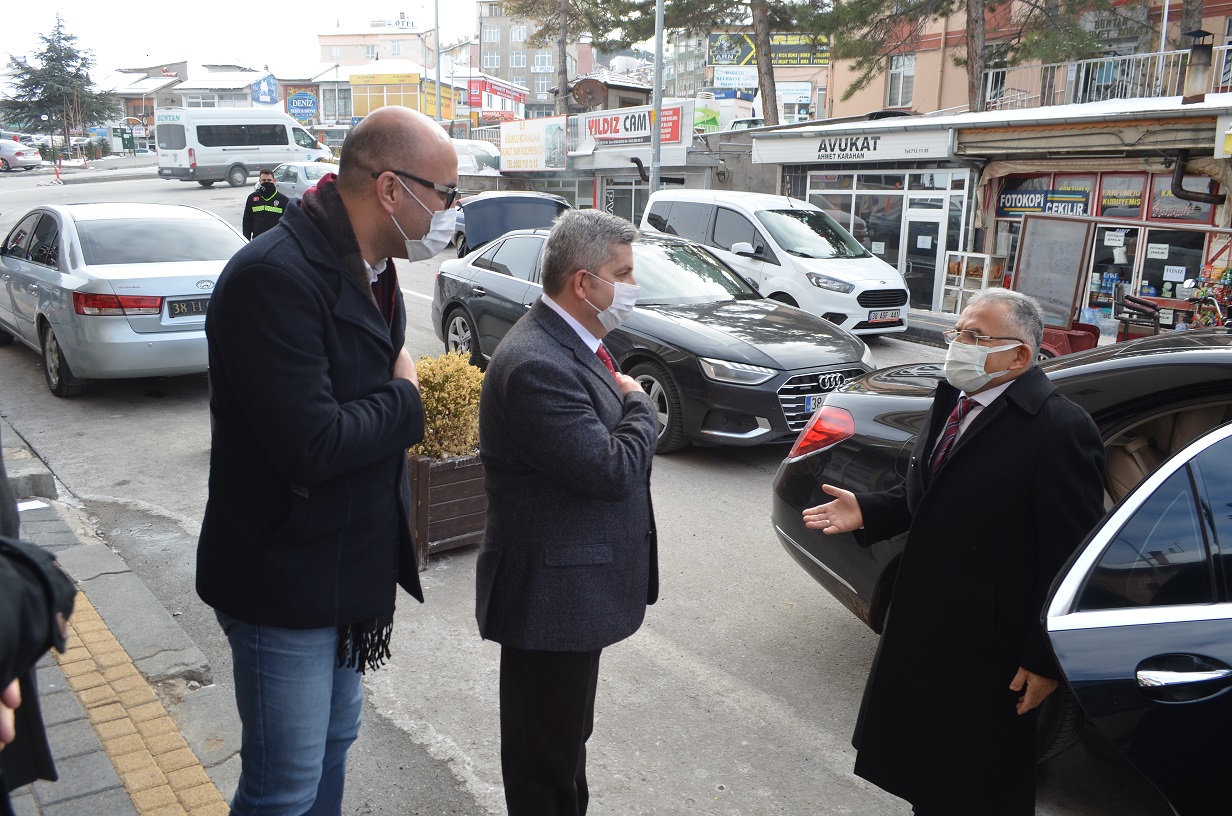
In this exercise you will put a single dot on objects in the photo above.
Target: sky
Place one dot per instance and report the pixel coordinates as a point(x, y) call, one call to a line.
point(128, 35)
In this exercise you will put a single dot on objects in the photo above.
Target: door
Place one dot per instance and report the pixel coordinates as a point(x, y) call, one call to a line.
point(1141, 624)
point(502, 290)
point(626, 198)
point(921, 258)
point(15, 252)
point(36, 276)
point(731, 227)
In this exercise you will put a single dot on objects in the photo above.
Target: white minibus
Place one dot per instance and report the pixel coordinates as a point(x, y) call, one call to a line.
point(206, 145)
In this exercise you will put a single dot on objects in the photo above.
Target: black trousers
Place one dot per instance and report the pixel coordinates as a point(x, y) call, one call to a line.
point(547, 710)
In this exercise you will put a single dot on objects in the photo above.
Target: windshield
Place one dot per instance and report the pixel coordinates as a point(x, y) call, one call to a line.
point(316, 171)
point(156, 240)
point(810, 234)
point(683, 273)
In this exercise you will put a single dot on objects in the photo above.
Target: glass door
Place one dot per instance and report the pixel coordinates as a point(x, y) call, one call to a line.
point(626, 198)
point(921, 258)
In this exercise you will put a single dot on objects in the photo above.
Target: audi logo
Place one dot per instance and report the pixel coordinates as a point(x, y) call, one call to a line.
point(829, 382)
point(205, 284)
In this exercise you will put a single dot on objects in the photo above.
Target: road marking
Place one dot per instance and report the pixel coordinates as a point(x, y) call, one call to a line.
point(416, 294)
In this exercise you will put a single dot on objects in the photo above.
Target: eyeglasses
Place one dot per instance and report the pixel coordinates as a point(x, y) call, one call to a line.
point(450, 193)
point(971, 338)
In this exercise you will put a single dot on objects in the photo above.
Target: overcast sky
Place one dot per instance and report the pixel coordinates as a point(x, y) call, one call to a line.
point(281, 35)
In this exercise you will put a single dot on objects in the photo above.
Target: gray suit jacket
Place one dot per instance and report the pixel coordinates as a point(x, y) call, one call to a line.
point(569, 559)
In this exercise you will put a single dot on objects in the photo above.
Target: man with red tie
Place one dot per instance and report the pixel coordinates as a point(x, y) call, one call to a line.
point(1005, 481)
point(569, 559)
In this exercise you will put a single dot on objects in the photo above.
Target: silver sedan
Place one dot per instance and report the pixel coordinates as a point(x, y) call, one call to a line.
point(105, 291)
point(296, 178)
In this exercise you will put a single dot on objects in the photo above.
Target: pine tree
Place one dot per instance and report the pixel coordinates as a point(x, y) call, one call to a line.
point(56, 84)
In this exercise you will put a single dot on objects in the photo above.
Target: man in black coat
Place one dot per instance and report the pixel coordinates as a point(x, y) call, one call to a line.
point(315, 401)
point(1005, 481)
point(569, 558)
point(264, 207)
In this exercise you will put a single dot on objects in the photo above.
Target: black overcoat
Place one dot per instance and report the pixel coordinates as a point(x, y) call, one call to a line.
point(306, 525)
point(1020, 490)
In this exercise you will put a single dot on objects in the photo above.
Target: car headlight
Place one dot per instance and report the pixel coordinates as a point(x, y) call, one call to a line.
point(738, 373)
point(867, 357)
point(833, 284)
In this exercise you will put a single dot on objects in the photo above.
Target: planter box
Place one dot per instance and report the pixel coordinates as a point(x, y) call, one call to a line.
point(450, 505)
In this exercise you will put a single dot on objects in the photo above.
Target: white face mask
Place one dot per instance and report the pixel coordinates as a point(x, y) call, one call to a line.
point(623, 301)
point(439, 233)
point(964, 365)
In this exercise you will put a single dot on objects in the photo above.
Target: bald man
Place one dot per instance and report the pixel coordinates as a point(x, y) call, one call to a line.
point(315, 401)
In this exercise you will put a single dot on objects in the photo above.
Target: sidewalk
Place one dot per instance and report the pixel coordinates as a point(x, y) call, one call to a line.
point(117, 748)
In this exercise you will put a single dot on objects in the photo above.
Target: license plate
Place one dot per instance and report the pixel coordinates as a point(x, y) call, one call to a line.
point(187, 308)
point(883, 316)
point(812, 402)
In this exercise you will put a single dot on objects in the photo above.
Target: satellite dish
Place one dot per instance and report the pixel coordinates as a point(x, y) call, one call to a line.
point(589, 92)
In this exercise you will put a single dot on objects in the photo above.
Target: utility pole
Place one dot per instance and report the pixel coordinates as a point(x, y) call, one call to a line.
point(656, 127)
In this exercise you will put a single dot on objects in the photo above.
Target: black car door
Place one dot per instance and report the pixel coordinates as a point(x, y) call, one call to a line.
point(502, 290)
point(1142, 626)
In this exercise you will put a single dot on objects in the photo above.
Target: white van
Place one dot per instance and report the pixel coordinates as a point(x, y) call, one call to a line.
point(791, 251)
point(206, 145)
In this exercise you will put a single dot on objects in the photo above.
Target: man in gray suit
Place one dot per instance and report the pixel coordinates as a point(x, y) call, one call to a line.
point(569, 560)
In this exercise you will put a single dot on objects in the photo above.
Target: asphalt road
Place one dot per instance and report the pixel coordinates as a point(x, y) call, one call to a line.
point(738, 696)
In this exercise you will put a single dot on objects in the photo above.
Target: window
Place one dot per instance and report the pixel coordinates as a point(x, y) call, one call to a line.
point(241, 135)
point(170, 137)
point(337, 103)
point(494, 10)
point(156, 240)
point(517, 33)
point(543, 59)
point(335, 52)
point(290, 174)
point(517, 257)
point(519, 80)
point(1216, 466)
point(369, 52)
point(491, 34)
point(1158, 558)
point(45, 245)
point(688, 220)
point(395, 48)
point(731, 227)
point(303, 139)
point(901, 81)
point(517, 59)
point(491, 59)
point(19, 239)
point(543, 83)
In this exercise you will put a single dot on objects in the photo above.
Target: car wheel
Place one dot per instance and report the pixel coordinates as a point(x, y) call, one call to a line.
point(60, 379)
point(1059, 725)
point(463, 249)
point(1044, 354)
point(4, 165)
point(786, 300)
point(206, 183)
point(460, 336)
point(237, 176)
point(669, 422)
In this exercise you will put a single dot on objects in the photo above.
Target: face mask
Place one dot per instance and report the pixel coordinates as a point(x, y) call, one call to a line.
point(964, 365)
point(441, 230)
point(623, 301)
point(266, 188)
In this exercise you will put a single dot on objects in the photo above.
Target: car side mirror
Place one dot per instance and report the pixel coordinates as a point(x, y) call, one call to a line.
point(745, 249)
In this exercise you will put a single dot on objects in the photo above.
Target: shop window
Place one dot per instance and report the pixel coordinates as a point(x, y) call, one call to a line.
point(1120, 195)
point(901, 81)
point(1167, 207)
point(883, 219)
point(928, 181)
point(1083, 186)
point(1172, 257)
point(873, 181)
point(839, 207)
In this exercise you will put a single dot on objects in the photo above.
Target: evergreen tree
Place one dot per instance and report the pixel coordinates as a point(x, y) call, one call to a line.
point(56, 84)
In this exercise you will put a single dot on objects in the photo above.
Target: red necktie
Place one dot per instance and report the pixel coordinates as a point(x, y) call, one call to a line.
point(950, 434)
point(607, 359)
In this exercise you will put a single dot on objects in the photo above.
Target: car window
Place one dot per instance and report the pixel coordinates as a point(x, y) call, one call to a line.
point(484, 261)
point(292, 175)
point(657, 217)
point(315, 171)
point(281, 173)
point(688, 220)
point(18, 242)
point(303, 139)
point(45, 245)
point(810, 234)
point(730, 227)
point(171, 137)
point(1215, 467)
point(156, 240)
point(683, 273)
point(1159, 558)
point(517, 256)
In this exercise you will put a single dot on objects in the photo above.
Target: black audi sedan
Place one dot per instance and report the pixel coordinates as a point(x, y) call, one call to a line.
point(724, 365)
point(1150, 399)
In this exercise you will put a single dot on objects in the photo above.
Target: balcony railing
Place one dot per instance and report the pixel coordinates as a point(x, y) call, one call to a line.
point(1158, 74)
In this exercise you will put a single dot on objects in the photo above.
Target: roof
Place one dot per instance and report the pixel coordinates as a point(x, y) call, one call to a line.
point(126, 83)
point(222, 81)
point(612, 78)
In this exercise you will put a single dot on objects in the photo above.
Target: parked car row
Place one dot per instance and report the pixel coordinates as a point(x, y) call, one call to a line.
point(18, 156)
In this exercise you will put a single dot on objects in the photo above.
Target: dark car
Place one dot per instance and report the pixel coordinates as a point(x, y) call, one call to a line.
point(723, 365)
point(490, 215)
point(1141, 625)
point(1149, 398)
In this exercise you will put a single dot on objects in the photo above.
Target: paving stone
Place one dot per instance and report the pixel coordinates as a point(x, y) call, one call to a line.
point(175, 760)
point(218, 809)
point(118, 746)
point(51, 679)
point(165, 744)
point(72, 738)
point(60, 707)
point(131, 683)
point(80, 667)
point(137, 697)
point(56, 541)
point(107, 803)
point(145, 779)
point(148, 800)
point(135, 761)
point(199, 796)
point(80, 682)
point(97, 696)
point(112, 711)
point(169, 810)
point(156, 727)
point(189, 777)
point(149, 711)
point(115, 728)
point(118, 672)
point(23, 803)
point(79, 775)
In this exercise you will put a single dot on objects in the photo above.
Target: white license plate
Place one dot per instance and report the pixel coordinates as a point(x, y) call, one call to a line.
point(812, 402)
point(884, 316)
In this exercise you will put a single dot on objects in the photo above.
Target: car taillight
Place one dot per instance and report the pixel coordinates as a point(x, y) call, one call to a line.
point(85, 303)
point(192, 158)
point(828, 426)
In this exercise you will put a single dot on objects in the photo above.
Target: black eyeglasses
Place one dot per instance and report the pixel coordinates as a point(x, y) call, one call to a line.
point(450, 193)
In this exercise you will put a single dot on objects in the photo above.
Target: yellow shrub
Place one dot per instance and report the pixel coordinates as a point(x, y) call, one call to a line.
point(449, 386)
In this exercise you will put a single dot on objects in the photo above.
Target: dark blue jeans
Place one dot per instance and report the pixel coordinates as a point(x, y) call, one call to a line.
point(300, 714)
